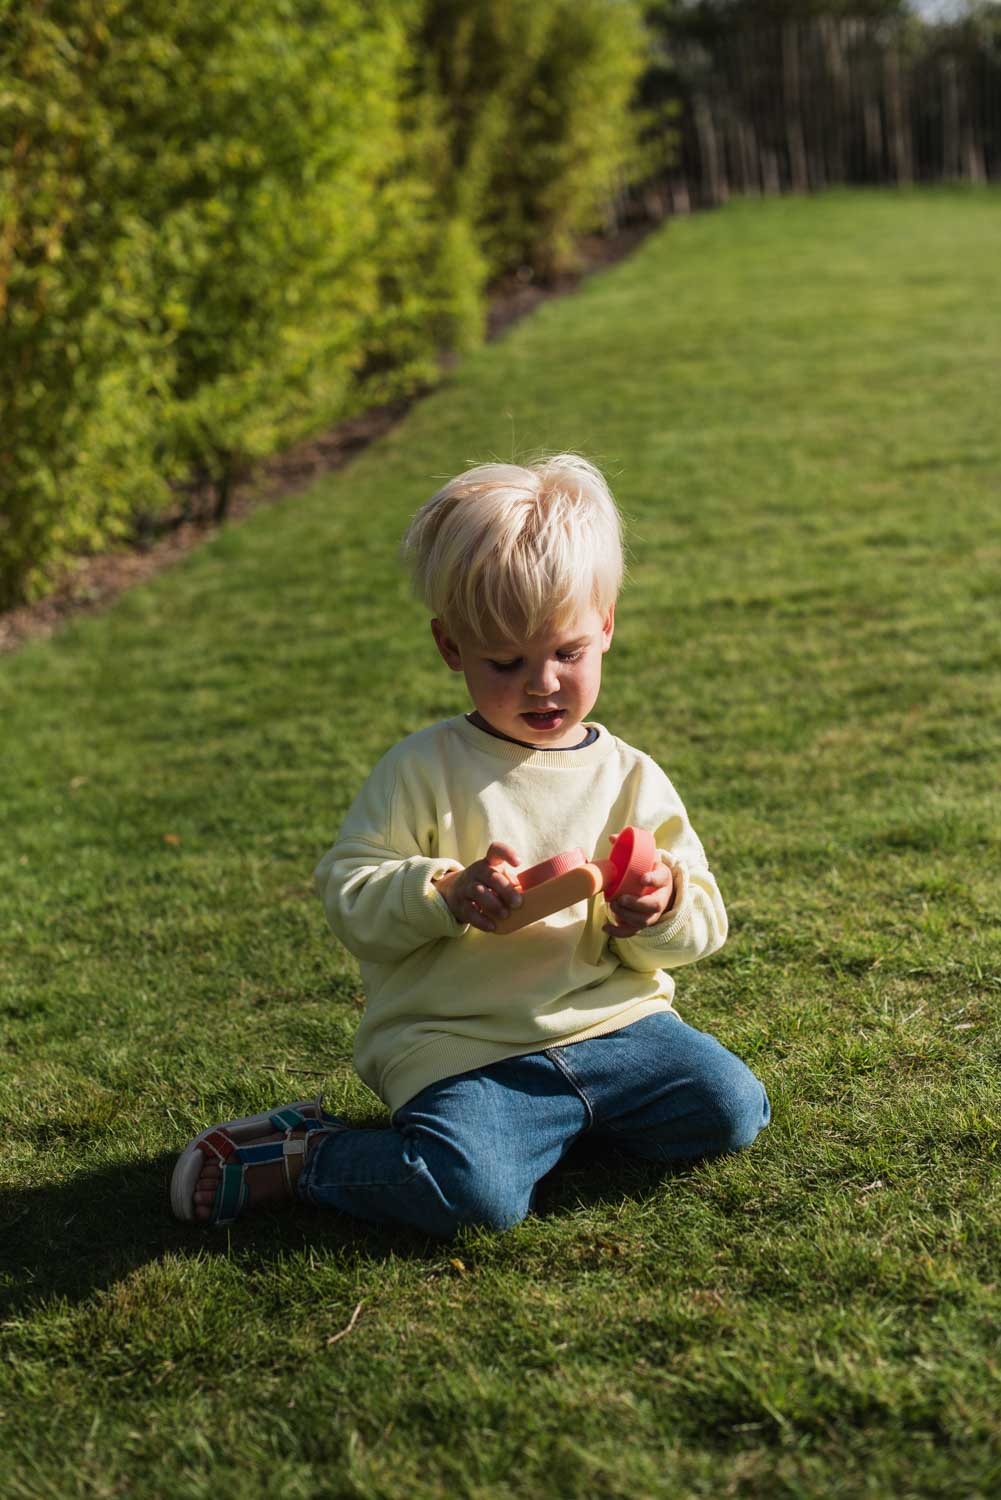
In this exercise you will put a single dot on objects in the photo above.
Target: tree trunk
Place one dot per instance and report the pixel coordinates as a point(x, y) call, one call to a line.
point(898, 121)
point(974, 165)
point(832, 33)
point(873, 140)
point(223, 488)
point(712, 178)
point(771, 180)
point(952, 157)
point(750, 171)
point(796, 145)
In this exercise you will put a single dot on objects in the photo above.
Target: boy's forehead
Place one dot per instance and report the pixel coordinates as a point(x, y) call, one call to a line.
point(577, 628)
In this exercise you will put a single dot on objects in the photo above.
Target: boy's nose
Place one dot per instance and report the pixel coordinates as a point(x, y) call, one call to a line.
point(543, 681)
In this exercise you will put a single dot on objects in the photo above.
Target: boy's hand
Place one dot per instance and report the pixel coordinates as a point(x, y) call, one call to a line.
point(484, 890)
point(633, 913)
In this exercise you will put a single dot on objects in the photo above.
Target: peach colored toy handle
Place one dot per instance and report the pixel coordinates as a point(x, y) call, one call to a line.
point(579, 883)
point(567, 878)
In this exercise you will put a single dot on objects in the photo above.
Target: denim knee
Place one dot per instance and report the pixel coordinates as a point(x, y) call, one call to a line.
point(481, 1201)
point(741, 1109)
point(437, 1197)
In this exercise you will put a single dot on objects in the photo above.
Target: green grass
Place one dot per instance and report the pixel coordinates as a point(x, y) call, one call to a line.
point(798, 403)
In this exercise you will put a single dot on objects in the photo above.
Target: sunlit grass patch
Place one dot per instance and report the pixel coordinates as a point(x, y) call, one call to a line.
point(796, 403)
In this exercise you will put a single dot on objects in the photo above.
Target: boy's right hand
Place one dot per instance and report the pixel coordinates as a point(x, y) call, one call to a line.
point(484, 890)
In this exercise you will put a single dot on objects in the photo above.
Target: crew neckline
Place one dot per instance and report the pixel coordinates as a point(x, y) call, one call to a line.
point(590, 735)
point(527, 755)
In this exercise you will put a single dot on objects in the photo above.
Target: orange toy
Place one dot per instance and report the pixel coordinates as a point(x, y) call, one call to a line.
point(571, 877)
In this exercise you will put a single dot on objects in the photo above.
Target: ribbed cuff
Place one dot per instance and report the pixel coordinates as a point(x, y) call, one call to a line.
point(676, 919)
point(424, 905)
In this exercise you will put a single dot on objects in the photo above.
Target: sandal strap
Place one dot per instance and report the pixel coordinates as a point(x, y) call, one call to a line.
point(291, 1119)
point(295, 1147)
point(218, 1144)
point(293, 1159)
point(232, 1193)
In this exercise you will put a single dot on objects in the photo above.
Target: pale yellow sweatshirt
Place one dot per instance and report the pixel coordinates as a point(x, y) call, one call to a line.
point(443, 998)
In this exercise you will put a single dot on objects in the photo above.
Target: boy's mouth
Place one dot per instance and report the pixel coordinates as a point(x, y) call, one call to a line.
point(551, 719)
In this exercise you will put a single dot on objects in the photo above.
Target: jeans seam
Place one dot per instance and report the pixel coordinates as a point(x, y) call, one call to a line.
point(555, 1057)
point(307, 1189)
point(304, 1187)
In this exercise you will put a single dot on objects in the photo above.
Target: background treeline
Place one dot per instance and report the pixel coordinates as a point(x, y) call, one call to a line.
point(227, 223)
point(776, 96)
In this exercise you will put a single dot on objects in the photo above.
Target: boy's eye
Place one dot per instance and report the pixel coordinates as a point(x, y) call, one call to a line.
point(509, 666)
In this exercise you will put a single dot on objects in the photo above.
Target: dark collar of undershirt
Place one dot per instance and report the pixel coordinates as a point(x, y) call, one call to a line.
point(479, 722)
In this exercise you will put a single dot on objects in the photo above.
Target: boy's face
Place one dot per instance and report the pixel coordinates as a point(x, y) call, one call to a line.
point(539, 690)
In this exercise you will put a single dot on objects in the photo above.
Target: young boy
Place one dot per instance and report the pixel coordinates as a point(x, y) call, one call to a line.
point(495, 1052)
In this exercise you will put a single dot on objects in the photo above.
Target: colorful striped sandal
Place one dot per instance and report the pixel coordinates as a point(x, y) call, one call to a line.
point(223, 1143)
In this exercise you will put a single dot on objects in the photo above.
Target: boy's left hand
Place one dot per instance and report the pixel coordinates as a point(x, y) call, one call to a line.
point(633, 913)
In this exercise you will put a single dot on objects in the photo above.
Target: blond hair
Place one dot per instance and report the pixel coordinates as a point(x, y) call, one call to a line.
point(505, 551)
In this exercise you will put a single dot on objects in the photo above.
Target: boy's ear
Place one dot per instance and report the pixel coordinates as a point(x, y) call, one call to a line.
point(449, 650)
point(608, 628)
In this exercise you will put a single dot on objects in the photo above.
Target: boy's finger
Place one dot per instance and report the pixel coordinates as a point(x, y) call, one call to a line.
point(501, 854)
point(638, 913)
point(509, 894)
point(494, 879)
point(475, 916)
point(644, 904)
point(624, 906)
point(489, 900)
point(498, 879)
point(620, 930)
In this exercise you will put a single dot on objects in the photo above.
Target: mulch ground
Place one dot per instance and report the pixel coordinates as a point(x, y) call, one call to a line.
point(94, 582)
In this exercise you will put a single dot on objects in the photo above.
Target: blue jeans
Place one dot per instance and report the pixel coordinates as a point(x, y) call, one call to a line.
point(471, 1149)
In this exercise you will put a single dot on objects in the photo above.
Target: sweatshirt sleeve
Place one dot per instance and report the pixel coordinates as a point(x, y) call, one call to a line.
point(696, 923)
point(376, 883)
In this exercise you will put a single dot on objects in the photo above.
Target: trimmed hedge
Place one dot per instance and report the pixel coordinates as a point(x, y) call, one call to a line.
point(537, 101)
point(227, 223)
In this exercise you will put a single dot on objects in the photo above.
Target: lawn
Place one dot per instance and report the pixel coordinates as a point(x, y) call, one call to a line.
point(798, 403)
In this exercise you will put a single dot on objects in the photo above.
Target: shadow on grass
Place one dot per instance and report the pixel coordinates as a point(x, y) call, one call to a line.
point(88, 1233)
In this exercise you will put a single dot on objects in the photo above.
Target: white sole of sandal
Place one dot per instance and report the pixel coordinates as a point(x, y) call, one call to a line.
point(188, 1167)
